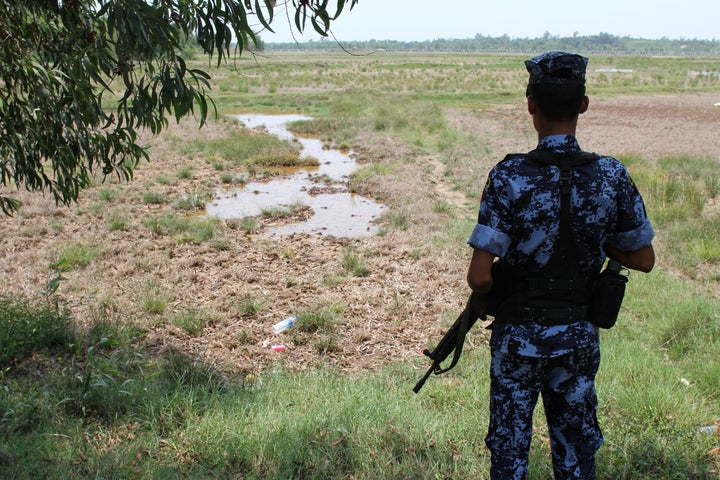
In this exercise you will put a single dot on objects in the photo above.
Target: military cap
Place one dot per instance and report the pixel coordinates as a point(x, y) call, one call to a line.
point(556, 68)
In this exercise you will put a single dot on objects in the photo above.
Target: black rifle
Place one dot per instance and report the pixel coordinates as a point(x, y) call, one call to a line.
point(453, 340)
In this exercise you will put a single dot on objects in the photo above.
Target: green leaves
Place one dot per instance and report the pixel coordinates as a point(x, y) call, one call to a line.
point(316, 11)
point(270, 5)
point(60, 64)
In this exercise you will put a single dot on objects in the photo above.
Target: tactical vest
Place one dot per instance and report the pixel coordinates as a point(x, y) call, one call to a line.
point(560, 291)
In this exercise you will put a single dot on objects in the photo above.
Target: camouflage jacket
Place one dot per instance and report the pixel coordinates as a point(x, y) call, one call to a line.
point(518, 221)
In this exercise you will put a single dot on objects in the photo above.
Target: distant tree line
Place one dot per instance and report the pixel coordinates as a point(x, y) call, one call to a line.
point(602, 42)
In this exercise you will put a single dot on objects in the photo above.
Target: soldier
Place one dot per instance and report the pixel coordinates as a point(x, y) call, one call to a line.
point(543, 341)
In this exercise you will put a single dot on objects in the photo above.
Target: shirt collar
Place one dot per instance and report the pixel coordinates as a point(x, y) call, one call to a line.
point(559, 143)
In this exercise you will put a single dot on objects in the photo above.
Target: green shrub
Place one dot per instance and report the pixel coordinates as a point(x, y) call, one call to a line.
point(117, 221)
point(201, 229)
point(185, 229)
point(167, 224)
point(354, 263)
point(153, 198)
point(321, 320)
point(240, 145)
point(193, 201)
point(154, 300)
point(107, 195)
point(251, 305)
point(191, 321)
point(27, 325)
point(185, 173)
point(75, 255)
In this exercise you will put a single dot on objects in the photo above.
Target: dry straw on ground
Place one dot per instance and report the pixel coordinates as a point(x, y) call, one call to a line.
point(412, 290)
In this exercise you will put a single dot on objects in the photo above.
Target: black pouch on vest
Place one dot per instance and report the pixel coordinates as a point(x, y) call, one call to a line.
point(608, 295)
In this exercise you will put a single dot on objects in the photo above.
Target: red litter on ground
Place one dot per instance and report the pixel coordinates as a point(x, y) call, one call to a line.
point(278, 348)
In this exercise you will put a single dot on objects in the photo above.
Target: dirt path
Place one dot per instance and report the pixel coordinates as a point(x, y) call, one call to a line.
point(412, 290)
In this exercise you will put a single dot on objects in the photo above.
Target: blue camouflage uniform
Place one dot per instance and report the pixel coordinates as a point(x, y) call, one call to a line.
point(518, 222)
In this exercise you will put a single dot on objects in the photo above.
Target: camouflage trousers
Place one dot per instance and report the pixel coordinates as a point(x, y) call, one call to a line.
point(567, 386)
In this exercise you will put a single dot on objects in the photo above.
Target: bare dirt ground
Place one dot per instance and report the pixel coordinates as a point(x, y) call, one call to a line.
point(413, 289)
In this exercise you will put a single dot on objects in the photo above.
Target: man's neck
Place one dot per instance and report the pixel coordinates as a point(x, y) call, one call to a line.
point(556, 128)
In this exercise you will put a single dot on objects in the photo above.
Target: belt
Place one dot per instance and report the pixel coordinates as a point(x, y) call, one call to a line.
point(546, 316)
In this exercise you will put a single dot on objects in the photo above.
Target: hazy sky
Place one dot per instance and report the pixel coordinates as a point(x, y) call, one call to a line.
point(431, 19)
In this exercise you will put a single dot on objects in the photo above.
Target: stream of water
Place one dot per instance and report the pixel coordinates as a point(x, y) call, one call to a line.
point(336, 211)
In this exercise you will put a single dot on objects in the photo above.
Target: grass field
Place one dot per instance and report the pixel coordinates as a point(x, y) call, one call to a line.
point(94, 397)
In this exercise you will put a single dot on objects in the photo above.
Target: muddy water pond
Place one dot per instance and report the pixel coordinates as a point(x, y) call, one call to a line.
point(323, 188)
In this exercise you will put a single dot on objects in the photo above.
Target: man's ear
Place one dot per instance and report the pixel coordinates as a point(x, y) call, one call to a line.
point(585, 104)
point(531, 105)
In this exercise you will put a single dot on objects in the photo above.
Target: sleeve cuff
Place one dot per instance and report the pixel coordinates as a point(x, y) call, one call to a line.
point(485, 238)
point(635, 239)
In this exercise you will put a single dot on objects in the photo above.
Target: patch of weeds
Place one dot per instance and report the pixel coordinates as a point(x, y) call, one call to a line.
point(188, 229)
point(76, 255)
point(285, 212)
point(322, 320)
point(97, 210)
point(55, 277)
point(154, 303)
point(220, 244)
point(243, 337)
point(153, 299)
point(240, 145)
point(153, 198)
point(368, 171)
point(56, 226)
point(163, 180)
point(117, 221)
point(398, 220)
point(443, 207)
point(182, 369)
point(106, 305)
point(326, 179)
point(193, 201)
point(330, 280)
point(100, 334)
point(168, 224)
point(27, 325)
point(185, 173)
point(248, 225)
point(326, 343)
point(200, 230)
point(283, 160)
point(251, 305)
point(233, 179)
point(191, 321)
point(107, 379)
point(22, 415)
point(274, 212)
point(354, 263)
point(107, 195)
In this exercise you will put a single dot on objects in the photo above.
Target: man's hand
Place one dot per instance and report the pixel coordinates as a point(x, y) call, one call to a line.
point(479, 304)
